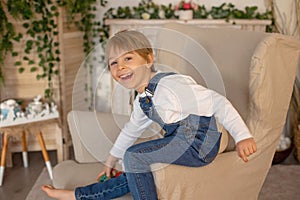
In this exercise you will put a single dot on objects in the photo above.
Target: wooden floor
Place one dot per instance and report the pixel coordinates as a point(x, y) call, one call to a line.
point(18, 180)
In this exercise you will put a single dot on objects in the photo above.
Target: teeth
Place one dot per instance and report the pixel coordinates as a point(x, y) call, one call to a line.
point(125, 75)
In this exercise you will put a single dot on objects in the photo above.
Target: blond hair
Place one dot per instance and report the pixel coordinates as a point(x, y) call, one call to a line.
point(128, 41)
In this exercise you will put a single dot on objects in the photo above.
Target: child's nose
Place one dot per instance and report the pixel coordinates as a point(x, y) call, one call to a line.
point(121, 66)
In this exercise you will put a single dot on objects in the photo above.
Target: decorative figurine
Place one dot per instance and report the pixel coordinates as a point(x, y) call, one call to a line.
point(10, 111)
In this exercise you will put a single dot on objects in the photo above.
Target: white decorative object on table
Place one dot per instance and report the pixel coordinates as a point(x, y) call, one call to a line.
point(8, 109)
point(11, 113)
point(53, 107)
point(46, 110)
point(36, 106)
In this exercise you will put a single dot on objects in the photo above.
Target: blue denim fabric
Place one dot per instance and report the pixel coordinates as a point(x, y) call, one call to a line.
point(110, 189)
point(193, 141)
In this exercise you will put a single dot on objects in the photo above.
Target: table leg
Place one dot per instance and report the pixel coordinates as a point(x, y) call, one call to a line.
point(45, 154)
point(24, 150)
point(3, 157)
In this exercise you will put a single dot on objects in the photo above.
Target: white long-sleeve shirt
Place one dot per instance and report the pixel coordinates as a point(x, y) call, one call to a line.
point(175, 97)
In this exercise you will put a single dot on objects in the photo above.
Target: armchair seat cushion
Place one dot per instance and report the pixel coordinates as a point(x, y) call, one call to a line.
point(78, 174)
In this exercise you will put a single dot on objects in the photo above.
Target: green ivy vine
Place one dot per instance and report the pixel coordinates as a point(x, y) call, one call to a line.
point(88, 24)
point(8, 35)
point(39, 19)
point(156, 11)
point(147, 9)
point(94, 31)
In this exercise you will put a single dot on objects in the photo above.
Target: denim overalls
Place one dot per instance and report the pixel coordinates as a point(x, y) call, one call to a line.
point(193, 141)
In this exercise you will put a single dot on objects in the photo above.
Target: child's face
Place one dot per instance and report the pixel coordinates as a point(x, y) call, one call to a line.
point(131, 70)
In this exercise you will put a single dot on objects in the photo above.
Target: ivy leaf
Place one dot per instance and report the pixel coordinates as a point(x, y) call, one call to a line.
point(26, 25)
point(18, 63)
point(25, 58)
point(27, 51)
point(14, 54)
point(21, 70)
point(47, 93)
point(31, 62)
point(33, 69)
point(53, 8)
point(18, 37)
point(39, 49)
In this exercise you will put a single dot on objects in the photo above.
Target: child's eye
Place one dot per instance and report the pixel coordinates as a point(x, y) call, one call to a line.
point(113, 64)
point(128, 58)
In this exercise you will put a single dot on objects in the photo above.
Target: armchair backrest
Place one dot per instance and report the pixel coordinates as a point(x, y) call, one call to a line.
point(258, 70)
point(231, 50)
point(273, 71)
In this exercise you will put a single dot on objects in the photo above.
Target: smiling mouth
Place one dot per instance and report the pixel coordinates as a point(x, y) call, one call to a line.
point(125, 77)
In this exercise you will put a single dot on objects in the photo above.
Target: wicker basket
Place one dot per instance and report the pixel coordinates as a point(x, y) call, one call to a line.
point(297, 144)
point(280, 156)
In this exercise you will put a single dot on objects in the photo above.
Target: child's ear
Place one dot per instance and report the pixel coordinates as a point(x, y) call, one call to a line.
point(150, 58)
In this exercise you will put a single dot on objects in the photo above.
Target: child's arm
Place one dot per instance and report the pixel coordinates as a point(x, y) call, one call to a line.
point(131, 131)
point(245, 148)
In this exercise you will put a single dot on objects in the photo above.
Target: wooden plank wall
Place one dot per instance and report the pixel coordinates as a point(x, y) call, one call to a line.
point(20, 85)
point(73, 56)
point(26, 86)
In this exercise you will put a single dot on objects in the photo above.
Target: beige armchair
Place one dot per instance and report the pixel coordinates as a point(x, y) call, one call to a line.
point(258, 71)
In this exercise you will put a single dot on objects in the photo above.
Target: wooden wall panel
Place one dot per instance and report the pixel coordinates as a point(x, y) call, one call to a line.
point(73, 56)
point(26, 86)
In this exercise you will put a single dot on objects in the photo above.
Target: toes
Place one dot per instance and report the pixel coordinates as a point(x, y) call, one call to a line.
point(47, 187)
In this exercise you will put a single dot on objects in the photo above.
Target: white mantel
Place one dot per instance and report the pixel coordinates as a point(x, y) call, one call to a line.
point(244, 24)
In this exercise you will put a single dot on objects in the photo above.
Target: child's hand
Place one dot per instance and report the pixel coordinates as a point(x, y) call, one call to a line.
point(245, 148)
point(103, 172)
point(109, 165)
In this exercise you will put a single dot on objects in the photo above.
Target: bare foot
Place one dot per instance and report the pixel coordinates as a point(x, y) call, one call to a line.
point(58, 193)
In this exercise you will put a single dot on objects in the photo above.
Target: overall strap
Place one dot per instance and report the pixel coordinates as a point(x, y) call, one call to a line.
point(146, 103)
point(155, 79)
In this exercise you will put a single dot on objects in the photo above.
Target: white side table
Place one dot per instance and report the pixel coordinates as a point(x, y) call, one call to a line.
point(9, 127)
